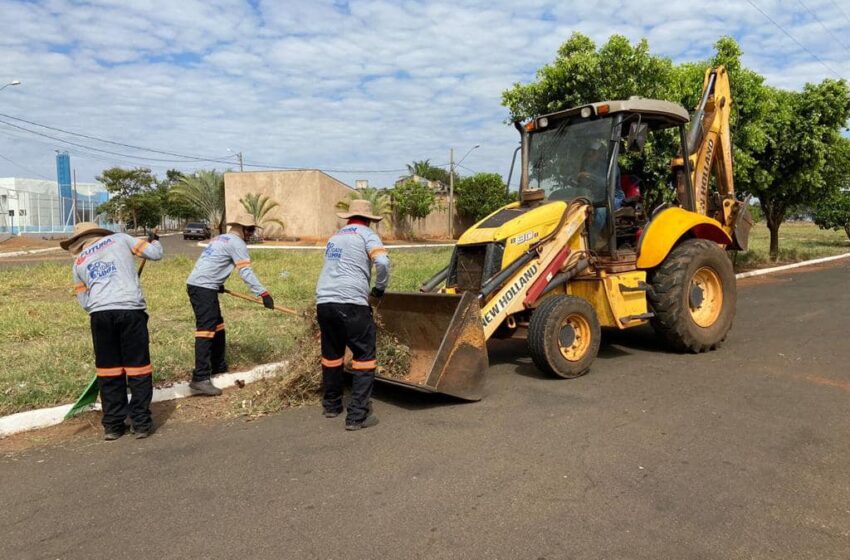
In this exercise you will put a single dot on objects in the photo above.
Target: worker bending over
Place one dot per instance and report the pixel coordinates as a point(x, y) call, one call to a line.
point(107, 287)
point(222, 255)
point(344, 314)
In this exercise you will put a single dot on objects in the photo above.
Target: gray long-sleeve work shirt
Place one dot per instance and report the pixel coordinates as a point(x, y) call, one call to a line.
point(222, 255)
point(105, 276)
point(347, 272)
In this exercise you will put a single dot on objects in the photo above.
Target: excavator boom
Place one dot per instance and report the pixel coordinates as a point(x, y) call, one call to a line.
point(709, 149)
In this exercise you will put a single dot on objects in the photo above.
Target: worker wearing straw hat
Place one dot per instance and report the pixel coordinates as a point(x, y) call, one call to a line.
point(222, 255)
point(344, 314)
point(107, 287)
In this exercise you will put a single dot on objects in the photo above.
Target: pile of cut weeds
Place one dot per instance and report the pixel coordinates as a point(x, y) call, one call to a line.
point(301, 384)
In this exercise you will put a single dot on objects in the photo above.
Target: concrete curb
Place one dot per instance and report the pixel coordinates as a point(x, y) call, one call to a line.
point(763, 271)
point(45, 417)
point(32, 252)
point(322, 248)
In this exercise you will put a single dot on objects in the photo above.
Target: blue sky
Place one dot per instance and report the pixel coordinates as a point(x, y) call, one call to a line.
point(362, 87)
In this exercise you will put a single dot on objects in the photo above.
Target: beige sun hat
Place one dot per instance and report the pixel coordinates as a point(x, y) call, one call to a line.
point(244, 220)
point(81, 231)
point(360, 208)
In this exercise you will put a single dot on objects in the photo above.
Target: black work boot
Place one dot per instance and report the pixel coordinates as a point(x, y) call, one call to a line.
point(205, 388)
point(111, 434)
point(332, 413)
point(370, 421)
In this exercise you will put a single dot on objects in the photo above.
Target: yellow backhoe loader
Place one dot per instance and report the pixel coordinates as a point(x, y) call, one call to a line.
point(576, 254)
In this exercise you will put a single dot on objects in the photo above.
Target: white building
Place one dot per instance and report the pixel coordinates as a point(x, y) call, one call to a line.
point(34, 205)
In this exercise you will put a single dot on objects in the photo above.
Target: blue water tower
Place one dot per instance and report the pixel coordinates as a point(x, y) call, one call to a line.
point(63, 178)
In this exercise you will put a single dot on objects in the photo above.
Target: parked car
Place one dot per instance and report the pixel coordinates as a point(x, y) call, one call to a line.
point(196, 230)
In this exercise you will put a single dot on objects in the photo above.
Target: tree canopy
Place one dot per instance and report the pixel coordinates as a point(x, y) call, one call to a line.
point(480, 195)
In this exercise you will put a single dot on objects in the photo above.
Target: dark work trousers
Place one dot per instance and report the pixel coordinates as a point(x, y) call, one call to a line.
point(345, 324)
point(209, 333)
point(122, 357)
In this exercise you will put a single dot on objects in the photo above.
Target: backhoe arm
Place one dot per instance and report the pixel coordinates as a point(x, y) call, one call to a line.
point(709, 147)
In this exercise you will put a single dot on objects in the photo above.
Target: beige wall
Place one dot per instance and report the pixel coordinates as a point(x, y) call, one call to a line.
point(308, 205)
point(307, 199)
point(434, 226)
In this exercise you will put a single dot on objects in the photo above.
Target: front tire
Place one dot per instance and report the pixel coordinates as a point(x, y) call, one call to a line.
point(564, 336)
point(693, 296)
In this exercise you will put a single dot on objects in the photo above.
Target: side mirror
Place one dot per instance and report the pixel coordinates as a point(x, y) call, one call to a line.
point(637, 136)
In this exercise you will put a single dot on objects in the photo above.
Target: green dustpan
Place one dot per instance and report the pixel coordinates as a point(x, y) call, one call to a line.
point(87, 399)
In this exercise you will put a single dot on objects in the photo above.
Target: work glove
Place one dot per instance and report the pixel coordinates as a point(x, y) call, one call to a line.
point(221, 289)
point(268, 302)
point(377, 292)
point(152, 237)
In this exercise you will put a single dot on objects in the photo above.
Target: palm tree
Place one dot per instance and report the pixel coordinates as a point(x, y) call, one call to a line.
point(420, 168)
point(380, 199)
point(258, 206)
point(203, 191)
point(425, 170)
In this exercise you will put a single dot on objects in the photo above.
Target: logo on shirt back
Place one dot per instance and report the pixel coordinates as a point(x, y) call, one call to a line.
point(97, 247)
point(100, 269)
point(333, 252)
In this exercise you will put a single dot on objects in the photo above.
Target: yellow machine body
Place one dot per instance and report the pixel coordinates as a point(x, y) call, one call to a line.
point(665, 230)
point(507, 269)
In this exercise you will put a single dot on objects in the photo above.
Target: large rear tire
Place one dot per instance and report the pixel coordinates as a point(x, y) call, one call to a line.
point(693, 296)
point(564, 336)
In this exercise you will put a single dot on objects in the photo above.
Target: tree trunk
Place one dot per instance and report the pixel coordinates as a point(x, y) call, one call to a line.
point(774, 240)
point(774, 215)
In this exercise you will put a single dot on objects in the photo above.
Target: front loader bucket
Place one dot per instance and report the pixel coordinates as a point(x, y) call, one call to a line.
point(448, 352)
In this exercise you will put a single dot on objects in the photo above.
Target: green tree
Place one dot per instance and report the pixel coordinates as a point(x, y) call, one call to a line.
point(259, 206)
point(203, 191)
point(480, 195)
point(125, 186)
point(834, 212)
point(414, 200)
point(805, 158)
point(379, 198)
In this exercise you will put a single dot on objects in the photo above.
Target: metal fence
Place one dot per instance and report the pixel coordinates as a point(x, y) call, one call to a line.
point(30, 212)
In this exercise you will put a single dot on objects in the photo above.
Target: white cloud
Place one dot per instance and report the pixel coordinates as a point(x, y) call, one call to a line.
point(365, 84)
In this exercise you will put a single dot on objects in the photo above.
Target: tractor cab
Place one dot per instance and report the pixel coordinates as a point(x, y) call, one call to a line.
point(575, 154)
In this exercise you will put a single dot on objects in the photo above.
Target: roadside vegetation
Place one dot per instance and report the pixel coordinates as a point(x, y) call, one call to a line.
point(46, 343)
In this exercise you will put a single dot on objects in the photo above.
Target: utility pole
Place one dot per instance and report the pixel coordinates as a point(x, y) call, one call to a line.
point(451, 193)
point(239, 156)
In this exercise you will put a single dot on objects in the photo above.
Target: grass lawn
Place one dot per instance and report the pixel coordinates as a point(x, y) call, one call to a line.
point(798, 241)
point(46, 343)
point(46, 346)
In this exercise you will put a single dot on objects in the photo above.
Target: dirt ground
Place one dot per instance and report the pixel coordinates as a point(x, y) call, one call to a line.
point(87, 426)
point(25, 243)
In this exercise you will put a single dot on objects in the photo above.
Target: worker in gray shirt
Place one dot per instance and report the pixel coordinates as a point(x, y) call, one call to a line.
point(107, 287)
point(344, 314)
point(222, 255)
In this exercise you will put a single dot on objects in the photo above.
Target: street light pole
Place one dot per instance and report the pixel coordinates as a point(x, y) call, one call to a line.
point(12, 83)
point(452, 185)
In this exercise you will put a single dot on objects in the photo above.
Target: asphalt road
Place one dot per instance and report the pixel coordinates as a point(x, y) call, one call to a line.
point(739, 453)
point(173, 245)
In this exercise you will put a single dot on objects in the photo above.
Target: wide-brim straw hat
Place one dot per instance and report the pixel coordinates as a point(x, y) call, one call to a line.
point(244, 220)
point(360, 208)
point(83, 229)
